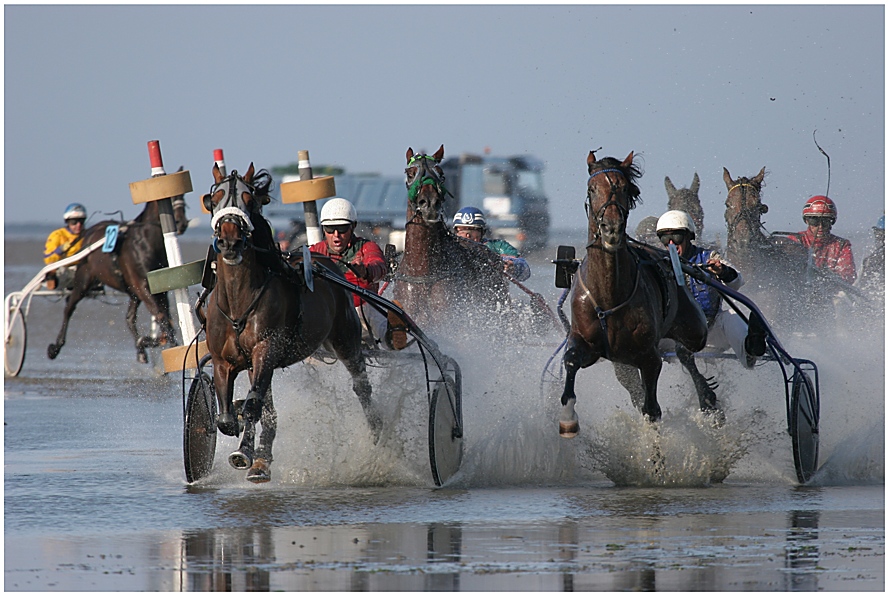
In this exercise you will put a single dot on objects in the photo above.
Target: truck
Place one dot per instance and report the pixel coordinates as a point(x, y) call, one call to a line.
point(510, 190)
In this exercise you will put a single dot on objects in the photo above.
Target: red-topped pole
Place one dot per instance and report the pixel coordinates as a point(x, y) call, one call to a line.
point(171, 244)
point(220, 162)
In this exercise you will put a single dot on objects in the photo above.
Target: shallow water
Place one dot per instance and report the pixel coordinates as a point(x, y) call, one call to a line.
point(95, 495)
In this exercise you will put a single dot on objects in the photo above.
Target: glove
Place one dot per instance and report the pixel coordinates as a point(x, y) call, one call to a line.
point(360, 271)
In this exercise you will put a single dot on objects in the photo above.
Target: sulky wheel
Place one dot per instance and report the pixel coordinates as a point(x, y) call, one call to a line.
point(16, 343)
point(804, 427)
point(199, 434)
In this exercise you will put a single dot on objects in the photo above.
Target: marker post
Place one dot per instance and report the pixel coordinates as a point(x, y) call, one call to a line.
point(308, 190)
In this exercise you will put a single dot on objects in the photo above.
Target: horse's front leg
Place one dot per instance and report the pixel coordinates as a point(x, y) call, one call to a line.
point(70, 304)
point(578, 355)
point(224, 381)
point(650, 369)
point(259, 471)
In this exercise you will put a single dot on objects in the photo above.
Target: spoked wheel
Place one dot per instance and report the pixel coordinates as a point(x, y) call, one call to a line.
point(446, 426)
point(199, 434)
point(804, 425)
point(16, 343)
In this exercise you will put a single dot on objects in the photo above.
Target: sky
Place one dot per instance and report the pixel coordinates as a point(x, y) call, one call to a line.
point(689, 88)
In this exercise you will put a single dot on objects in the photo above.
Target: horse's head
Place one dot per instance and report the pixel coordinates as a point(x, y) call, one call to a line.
point(426, 186)
point(686, 199)
point(611, 194)
point(233, 203)
point(743, 208)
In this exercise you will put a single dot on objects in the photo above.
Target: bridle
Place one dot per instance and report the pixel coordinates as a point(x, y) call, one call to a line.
point(425, 174)
point(601, 212)
point(750, 216)
point(231, 208)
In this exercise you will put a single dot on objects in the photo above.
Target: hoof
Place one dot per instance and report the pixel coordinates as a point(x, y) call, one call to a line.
point(141, 358)
point(240, 460)
point(52, 351)
point(227, 425)
point(259, 471)
point(569, 430)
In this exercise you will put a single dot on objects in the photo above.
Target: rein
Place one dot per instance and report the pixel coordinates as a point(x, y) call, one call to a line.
point(239, 324)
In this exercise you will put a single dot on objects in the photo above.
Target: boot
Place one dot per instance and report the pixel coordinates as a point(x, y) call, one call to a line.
point(755, 341)
point(396, 335)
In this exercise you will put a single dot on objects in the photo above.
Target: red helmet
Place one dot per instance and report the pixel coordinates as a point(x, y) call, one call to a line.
point(820, 206)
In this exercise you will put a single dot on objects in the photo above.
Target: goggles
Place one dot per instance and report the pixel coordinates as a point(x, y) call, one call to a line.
point(676, 236)
point(341, 228)
point(812, 220)
point(74, 221)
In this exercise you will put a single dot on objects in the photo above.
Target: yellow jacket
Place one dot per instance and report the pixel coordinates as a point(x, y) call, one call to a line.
point(60, 244)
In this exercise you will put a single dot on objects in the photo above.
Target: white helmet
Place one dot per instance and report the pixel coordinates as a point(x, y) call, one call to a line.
point(675, 220)
point(338, 211)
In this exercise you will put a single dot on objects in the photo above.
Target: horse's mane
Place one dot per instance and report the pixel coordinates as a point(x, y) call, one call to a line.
point(631, 172)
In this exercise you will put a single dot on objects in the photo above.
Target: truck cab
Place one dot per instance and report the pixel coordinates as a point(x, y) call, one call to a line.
point(509, 190)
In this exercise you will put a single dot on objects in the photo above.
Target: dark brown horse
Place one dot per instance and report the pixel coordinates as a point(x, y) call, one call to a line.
point(686, 199)
point(261, 316)
point(442, 276)
point(138, 250)
point(622, 305)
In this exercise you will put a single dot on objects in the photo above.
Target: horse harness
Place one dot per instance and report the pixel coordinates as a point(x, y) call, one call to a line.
point(750, 216)
point(424, 176)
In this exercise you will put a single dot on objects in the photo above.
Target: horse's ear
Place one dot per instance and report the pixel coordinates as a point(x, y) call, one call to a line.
point(669, 186)
point(727, 179)
point(628, 161)
point(695, 183)
point(409, 154)
point(217, 175)
point(591, 159)
point(181, 168)
point(440, 153)
point(759, 177)
point(248, 175)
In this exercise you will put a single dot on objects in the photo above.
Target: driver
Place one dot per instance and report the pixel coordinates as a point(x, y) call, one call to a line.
point(829, 251)
point(726, 329)
point(469, 223)
point(362, 262)
point(64, 242)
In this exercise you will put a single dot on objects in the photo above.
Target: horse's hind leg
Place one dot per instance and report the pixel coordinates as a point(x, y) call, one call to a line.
point(704, 386)
point(141, 356)
point(650, 370)
point(259, 471)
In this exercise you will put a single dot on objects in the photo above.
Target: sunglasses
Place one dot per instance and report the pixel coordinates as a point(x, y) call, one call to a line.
point(72, 222)
point(340, 228)
point(818, 221)
point(667, 237)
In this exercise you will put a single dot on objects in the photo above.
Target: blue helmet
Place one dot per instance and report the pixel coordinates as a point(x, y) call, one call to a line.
point(880, 225)
point(469, 217)
point(75, 211)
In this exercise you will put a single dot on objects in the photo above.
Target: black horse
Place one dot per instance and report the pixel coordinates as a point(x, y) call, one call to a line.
point(138, 250)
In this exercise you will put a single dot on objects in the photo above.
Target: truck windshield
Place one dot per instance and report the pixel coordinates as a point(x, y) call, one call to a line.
point(530, 182)
point(494, 182)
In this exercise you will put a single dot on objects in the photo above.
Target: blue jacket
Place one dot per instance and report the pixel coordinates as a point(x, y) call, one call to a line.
point(709, 298)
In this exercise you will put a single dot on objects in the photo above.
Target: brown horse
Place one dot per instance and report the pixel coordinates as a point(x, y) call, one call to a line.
point(622, 305)
point(439, 271)
point(775, 267)
point(261, 316)
point(138, 250)
point(686, 199)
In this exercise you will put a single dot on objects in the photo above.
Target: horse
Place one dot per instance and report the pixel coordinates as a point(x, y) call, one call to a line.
point(261, 315)
point(439, 270)
point(623, 304)
point(138, 250)
point(686, 199)
point(774, 265)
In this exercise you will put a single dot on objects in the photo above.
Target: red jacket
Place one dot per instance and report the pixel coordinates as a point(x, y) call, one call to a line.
point(833, 253)
point(360, 252)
